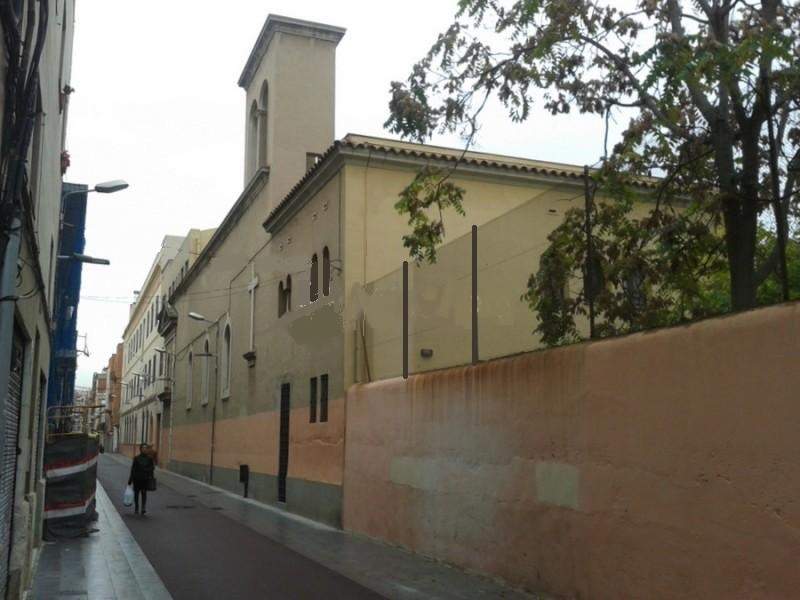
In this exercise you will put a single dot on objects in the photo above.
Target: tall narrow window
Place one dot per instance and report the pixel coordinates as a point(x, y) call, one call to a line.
point(288, 293)
point(323, 398)
point(226, 358)
point(262, 125)
point(189, 382)
point(326, 272)
point(312, 401)
point(206, 378)
point(281, 300)
point(252, 140)
point(314, 287)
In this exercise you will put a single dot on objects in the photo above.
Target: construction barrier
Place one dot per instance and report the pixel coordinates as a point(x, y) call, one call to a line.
point(70, 465)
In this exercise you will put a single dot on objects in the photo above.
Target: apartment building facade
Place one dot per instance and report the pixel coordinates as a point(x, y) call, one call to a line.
point(114, 385)
point(30, 220)
point(99, 416)
point(145, 363)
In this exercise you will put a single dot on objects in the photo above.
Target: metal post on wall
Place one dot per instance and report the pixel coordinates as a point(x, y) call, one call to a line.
point(405, 319)
point(589, 283)
point(475, 294)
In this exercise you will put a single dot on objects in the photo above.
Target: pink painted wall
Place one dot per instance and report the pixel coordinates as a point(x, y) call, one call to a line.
point(315, 449)
point(658, 465)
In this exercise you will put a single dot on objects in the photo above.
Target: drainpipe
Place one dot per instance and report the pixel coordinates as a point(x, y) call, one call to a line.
point(214, 408)
point(171, 357)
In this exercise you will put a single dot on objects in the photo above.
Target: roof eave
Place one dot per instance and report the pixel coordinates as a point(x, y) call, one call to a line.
point(256, 184)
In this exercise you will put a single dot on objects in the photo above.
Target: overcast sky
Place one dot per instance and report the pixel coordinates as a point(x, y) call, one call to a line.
point(156, 103)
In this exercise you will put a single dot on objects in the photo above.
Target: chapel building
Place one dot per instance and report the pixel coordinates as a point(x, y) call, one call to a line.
point(298, 294)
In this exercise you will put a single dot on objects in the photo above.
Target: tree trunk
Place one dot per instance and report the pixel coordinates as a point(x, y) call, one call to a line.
point(740, 207)
point(740, 237)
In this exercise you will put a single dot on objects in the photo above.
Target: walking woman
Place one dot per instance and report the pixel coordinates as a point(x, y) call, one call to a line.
point(141, 473)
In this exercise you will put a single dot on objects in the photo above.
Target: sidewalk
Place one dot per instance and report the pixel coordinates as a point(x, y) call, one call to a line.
point(107, 565)
point(386, 570)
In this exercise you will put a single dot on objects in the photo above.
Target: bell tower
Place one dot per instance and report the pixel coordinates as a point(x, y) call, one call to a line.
point(289, 80)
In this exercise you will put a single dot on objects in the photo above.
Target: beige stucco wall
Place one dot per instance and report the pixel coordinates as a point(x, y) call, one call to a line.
point(658, 465)
point(514, 216)
point(300, 75)
point(306, 342)
point(303, 343)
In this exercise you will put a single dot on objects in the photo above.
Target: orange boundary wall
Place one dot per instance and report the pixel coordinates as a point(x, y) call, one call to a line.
point(658, 465)
point(315, 453)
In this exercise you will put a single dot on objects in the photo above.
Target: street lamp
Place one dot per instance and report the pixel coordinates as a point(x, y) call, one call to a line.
point(83, 258)
point(198, 317)
point(108, 187)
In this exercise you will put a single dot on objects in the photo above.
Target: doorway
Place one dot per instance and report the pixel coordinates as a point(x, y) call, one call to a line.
point(283, 442)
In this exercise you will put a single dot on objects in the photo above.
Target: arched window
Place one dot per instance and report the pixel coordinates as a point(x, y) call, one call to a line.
point(189, 381)
point(252, 140)
point(314, 287)
point(226, 360)
point(326, 272)
point(262, 125)
point(206, 377)
point(281, 300)
point(287, 291)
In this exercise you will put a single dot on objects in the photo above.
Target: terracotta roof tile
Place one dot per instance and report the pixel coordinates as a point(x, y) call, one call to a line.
point(426, 152)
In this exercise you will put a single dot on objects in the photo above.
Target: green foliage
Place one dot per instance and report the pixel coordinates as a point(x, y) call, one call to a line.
point(661, 269)
point(431, 191)
point(650, 271)
point(690, 78)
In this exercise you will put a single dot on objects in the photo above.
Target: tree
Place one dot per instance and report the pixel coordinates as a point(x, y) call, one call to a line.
point(657, 270)
point(712, 88)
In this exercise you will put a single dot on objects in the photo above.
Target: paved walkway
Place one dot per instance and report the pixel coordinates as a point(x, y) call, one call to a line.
point(107, 565)
point(208, 543)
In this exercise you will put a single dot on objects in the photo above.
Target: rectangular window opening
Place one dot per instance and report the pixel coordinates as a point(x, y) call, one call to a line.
point(323, 398)
point(312, 404)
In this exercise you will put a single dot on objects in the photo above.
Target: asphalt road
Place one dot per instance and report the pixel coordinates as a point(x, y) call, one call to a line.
point(200, 553)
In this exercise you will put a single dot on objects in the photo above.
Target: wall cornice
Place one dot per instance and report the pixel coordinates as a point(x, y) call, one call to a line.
point(278, 24)
point(241, 205)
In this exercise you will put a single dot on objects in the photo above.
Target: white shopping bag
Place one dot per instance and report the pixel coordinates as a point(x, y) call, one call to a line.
point(127, 497)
